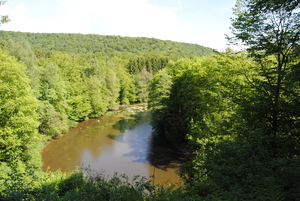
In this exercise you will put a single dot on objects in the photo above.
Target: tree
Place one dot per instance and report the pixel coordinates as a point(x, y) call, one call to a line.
point(159, 89)
point(264, 153)
point(109, 46)
point(191, 99)
point(52, 102)
point(271, 32)
point(22, 50)
point(19, 138)
point(270, 29)
point(142, 80)
point(159, 94)
point(113, 88)
point(4, 18)
point(127, 87)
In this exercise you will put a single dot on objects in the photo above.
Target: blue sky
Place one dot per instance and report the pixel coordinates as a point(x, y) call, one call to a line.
point(203, 22)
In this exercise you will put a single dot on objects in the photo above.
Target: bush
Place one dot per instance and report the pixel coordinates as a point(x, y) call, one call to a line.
point(92, 185)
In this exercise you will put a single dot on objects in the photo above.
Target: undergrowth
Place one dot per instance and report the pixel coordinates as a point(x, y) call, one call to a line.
point(86, 184)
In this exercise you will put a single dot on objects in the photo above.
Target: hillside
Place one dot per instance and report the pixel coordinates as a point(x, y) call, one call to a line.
point(92, 43)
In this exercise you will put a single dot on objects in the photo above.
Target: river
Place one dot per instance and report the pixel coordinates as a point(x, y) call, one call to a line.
point(121, 142)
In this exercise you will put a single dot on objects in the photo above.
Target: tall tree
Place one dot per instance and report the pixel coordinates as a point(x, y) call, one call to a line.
point(142, 80)
point(271, 32)
point(22, 50)
point(127, 87)
point(159, 95)
point(19, 138)
point(264, 154)
point(53, 103)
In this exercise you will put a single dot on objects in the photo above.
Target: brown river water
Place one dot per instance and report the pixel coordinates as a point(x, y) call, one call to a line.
point(121, 142)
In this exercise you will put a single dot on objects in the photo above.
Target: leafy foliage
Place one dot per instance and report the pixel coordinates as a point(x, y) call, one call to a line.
point(127, 93)
point(152, 64)
point(222, 107)
point(49, 91)
point(22, 50)
point(235, 113)
point(259, 159)
point(19, 139)
point(143, 79)
point(96, 186)
point(103, 45)
point(199, 95)
point(4, 18)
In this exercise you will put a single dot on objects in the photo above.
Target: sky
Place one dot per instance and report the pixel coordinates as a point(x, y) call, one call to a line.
point(203, 22)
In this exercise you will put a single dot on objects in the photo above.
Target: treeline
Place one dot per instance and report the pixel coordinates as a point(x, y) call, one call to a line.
point(112, 45)
point(73, 87)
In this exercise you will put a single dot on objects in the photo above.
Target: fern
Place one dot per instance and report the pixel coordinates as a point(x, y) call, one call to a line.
point(267, 192)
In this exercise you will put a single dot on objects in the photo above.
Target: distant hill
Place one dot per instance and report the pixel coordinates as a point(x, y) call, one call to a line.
point(92, 43)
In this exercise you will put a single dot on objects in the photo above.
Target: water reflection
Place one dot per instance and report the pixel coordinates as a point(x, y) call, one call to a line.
point(163, 155)
point(120, 142)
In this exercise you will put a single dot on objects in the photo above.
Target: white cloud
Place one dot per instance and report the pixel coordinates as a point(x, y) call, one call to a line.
point(20, 9)
point(21, 21)
point(179, 5)
point(213, 40)
point(186, 23)
point(131, 17)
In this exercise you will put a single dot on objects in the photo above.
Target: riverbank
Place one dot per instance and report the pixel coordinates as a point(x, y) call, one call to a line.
point(120, 141)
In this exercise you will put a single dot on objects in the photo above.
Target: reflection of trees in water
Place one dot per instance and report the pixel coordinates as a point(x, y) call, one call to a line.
point(94, 137)
point(148, 148)
point(131, 122)
point(163, 155)
point(153, 149)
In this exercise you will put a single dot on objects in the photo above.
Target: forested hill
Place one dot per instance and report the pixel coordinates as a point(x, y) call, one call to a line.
point(92, 43)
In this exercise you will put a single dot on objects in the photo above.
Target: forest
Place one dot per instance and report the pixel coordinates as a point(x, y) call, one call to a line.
point(235, 114)
point(108, 45)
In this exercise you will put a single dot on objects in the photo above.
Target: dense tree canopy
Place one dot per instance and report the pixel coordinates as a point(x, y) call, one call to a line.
point(46, 92)
point(19, 139)
point(235, 114)
point(108, 45)
point(90, 74)
point(198, 92)
point(260, 159)
point(271, 32)
point(239, 112)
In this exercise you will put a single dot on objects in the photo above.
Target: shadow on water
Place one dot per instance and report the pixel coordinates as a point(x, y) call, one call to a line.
point(163, 155)
point(122, 141)
point(131, 122)
point(147, 147)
